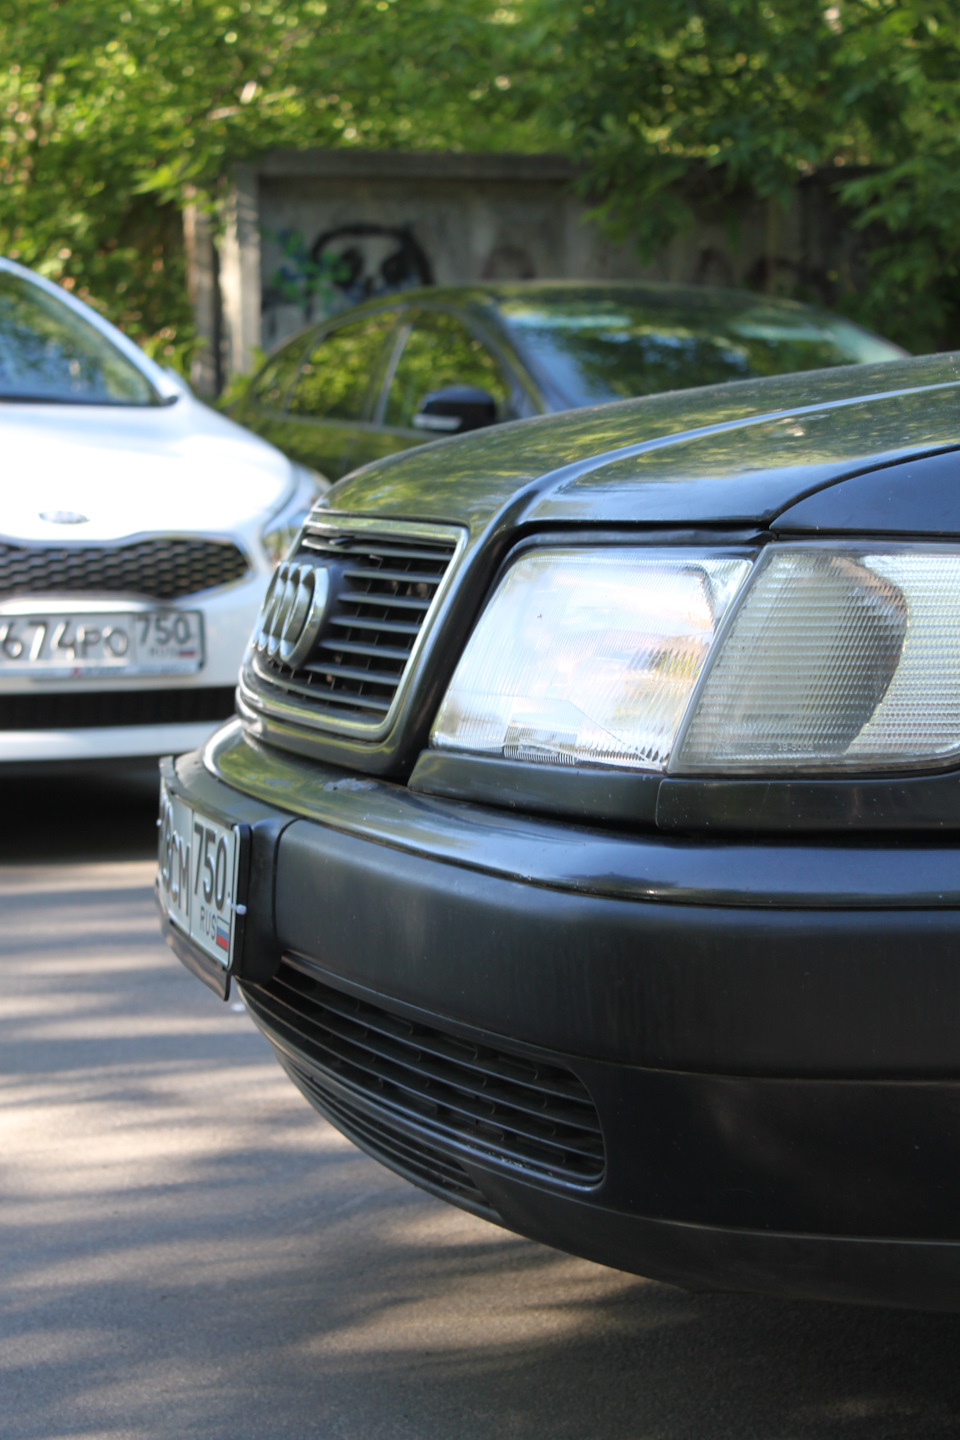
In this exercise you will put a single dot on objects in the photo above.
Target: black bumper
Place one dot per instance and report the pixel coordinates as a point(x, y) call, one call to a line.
point(776, 1085)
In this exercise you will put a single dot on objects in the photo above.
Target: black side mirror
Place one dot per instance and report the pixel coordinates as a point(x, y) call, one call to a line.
point(455, 409)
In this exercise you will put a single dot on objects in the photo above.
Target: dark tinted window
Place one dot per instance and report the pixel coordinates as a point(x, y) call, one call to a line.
point(607, 348)
point(270, 387)
point(337, 375)
point(441, 351)
point(49, 352)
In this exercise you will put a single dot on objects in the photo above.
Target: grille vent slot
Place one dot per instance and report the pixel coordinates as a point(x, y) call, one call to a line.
point(408, 1154)
point(381, 589)
point(499, 1105)
point(163, 569)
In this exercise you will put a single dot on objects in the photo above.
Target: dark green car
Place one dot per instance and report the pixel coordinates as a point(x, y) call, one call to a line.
point(392, 374)
point(588, 841)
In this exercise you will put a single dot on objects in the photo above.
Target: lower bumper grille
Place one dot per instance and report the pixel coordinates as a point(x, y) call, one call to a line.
point(91, 708)
point(409, 1155)
point(497, 1105)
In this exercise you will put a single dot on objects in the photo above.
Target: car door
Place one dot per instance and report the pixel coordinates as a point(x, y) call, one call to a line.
point(263, 407)
point(434, 349)
point(334, 392)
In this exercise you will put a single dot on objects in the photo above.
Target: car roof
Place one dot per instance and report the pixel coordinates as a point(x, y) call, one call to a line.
point(654, 294)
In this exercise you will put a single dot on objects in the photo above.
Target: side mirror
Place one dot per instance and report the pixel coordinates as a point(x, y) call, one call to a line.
point(455, 409)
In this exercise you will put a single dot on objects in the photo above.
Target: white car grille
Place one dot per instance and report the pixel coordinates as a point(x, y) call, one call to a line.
point(164, 568)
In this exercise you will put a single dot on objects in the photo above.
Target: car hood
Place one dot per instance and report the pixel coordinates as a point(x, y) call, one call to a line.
point(176, 468)
point(727, 454)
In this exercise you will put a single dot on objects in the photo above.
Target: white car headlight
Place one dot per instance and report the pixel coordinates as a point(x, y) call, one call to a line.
point(282, 529)
point(588, 656)
point(832, 658)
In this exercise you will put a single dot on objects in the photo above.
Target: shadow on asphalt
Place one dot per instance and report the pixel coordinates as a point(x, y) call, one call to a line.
point(187, 1251)
point(106, 814)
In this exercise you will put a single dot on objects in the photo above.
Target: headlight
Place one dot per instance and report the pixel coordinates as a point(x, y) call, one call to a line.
point(832, 658)
point(838, 659)
point(588, 657)
point(282, 529)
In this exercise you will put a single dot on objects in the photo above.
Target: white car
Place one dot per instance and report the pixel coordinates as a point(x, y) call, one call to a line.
point(138, 531)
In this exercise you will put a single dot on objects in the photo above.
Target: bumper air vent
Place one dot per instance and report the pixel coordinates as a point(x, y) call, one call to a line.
point(161, 569)
point(482, 1101)
point(382, 580)
point(408, 1154)
point(83, 710)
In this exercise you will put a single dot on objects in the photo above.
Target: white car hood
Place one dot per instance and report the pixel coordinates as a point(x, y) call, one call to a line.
point(178, 468)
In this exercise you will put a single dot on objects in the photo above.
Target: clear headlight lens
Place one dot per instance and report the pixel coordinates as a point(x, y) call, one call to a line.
point(588, 656)
point(836, 660)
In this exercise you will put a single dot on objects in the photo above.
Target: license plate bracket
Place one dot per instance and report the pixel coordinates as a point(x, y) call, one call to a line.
point(202, 876)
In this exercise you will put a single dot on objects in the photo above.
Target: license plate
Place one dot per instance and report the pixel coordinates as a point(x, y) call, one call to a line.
point(54, 645)
point(197, 876)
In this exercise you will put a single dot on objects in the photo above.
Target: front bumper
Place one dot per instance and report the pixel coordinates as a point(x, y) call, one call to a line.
point(768, 1035)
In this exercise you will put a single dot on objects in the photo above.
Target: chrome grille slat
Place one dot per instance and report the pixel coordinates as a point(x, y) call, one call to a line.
point(354, 702)
point(349, 672)
point(389, 627)
point(382, 578)
point(393, 551)
point(351, 647)
point(388, 602)
point(402, 577)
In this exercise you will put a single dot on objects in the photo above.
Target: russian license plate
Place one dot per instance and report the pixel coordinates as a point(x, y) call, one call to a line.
point(54, 645)
point(197, 876)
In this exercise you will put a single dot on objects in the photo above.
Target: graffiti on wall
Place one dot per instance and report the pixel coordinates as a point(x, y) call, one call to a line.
point(341, 267)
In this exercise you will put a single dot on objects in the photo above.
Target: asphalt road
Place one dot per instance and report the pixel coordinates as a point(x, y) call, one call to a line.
point(187, 1250)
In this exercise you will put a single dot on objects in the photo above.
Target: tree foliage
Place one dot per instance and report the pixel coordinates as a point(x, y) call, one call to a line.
point(682, 99)
point(112, 112)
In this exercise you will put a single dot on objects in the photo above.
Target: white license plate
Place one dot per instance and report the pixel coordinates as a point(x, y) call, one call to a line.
point(100, 642)
point(197, 876)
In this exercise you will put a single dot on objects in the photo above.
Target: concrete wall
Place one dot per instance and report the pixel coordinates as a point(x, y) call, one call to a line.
point(306, 233)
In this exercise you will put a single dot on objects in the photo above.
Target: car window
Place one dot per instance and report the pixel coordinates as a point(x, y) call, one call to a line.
point(337, 374)
point(440, 350)
point(610, 349)
point(270, 387)
point(50, 353)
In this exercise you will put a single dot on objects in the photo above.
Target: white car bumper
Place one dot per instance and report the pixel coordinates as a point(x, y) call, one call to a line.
point(84, 719)
point(109, 742)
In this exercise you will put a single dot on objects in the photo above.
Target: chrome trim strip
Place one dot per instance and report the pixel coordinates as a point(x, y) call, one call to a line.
point(274, 704)
point(322, 520)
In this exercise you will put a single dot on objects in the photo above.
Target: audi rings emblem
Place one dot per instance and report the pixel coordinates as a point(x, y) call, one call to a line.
point(292, 613)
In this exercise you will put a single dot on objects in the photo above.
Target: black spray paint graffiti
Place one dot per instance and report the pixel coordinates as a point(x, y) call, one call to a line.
point(340, 268)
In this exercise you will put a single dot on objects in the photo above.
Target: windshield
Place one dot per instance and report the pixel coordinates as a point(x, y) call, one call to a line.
point(50, 353)
point(611, 348)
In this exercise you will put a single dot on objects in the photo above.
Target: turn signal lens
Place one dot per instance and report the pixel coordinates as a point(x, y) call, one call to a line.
point(588, 657)
point(835, 660)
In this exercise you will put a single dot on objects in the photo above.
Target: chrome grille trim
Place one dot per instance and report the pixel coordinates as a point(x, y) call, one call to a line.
point(350, 684)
